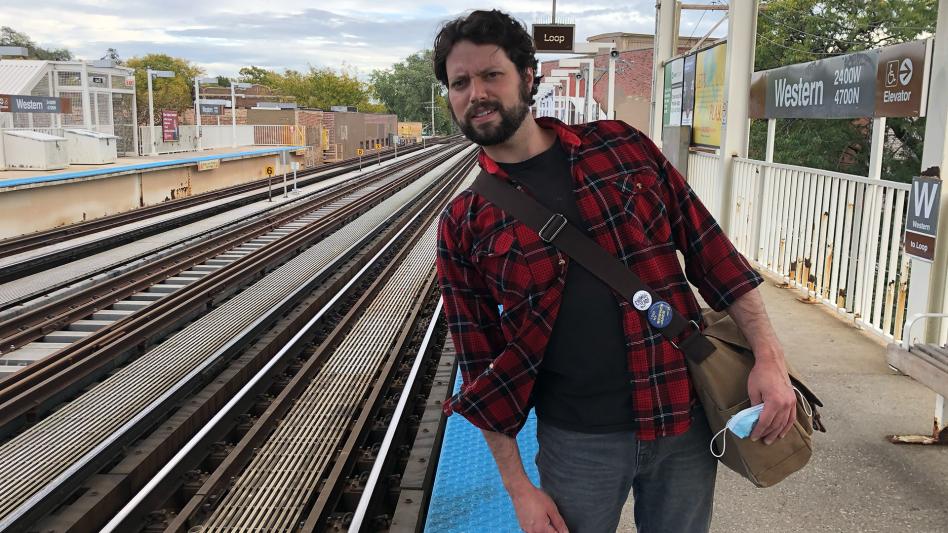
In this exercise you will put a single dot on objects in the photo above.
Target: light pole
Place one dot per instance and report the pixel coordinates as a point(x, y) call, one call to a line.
point(566, 73)
point(590, 65)
point(433, 85)
point(558, 99)
point(233, 110)
point(197, 108)
point(590, 50)
point(151, 105)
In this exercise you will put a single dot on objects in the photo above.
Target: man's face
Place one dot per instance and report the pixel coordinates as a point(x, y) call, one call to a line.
point(488, 97)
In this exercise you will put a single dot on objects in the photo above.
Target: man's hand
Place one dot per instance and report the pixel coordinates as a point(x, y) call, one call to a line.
point(536, 511)
point(768, 383)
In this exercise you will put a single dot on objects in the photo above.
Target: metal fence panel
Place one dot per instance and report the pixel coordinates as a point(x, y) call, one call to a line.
point(836, 237)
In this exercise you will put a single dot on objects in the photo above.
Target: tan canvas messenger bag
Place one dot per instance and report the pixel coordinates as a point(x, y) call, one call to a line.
point(719, 357)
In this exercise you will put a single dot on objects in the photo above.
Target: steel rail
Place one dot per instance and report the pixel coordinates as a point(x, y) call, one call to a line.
point(38, 321)
point(124, 519)
point(93, 458)
point(24, 243)
point(187, 240)
point(369, 492)
point(133, 333)
point(242, 453)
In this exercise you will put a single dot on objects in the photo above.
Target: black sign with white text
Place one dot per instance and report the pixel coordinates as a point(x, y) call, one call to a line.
point(553, 37)
point(921, 224)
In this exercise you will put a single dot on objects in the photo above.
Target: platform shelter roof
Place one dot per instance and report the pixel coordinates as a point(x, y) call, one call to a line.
point(19, 76)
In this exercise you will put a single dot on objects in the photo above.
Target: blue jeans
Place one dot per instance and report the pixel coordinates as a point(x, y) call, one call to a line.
point(589, 477)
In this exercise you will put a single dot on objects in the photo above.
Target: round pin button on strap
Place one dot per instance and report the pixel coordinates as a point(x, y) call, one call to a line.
point(642, 300)
point(660, 314)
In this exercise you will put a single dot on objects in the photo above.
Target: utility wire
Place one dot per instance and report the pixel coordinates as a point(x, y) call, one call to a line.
point(817, 54)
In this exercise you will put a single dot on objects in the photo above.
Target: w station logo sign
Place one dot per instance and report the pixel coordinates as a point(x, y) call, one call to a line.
point(921, 225)
point(886, 82)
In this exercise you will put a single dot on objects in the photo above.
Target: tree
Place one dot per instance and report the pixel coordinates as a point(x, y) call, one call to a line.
point(797, 31)
point(319, 88)
point(323, 88)
point(259, 76)
point(169, 93)
point(113, 54)
point(405, 89)
point(223, 81)
point(11, 37)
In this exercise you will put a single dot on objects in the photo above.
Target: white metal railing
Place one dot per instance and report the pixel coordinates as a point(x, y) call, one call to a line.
point(837, 237)
point(279, 135)
point(702, 176)
point(58, 132)
point(222, 137)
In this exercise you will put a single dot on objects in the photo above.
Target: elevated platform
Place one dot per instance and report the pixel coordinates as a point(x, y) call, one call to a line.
point(856, 481)
point(33, 200)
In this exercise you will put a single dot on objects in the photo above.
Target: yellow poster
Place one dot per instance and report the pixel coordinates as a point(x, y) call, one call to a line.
point(409, 130)
point(709, 96)
point(324, 138)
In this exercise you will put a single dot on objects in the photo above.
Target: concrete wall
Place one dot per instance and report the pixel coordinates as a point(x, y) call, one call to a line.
point(28, 210)
point(633, 110)
point(355, 130)
point(275, 117)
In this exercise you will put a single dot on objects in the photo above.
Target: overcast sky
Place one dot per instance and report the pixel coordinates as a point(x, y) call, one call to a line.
point(222, 37)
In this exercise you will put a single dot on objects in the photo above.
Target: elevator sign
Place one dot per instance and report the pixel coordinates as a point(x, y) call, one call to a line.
point(902, 79)
point(553, 37)
point(922, 220)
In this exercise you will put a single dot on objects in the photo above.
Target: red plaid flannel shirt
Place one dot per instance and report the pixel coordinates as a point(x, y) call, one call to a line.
point(636, 206)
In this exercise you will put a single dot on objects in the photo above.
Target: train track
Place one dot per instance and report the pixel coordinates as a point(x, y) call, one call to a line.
point(157, 235)
point(102, 324)
point(36, 262)
point(114, 412)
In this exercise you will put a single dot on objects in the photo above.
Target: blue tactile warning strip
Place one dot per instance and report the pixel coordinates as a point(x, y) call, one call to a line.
point(142, 166)
point(468, 495)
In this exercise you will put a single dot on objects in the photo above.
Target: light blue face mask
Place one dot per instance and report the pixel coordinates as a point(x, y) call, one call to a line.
point(743, 422)
point(741, 425)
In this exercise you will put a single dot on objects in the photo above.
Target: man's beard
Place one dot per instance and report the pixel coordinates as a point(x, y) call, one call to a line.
point(490, 134)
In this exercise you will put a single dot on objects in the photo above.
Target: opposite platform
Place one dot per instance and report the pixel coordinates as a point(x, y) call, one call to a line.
point(32, 201)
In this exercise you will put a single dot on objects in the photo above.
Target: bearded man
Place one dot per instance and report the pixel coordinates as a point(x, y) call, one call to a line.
point(616, 409)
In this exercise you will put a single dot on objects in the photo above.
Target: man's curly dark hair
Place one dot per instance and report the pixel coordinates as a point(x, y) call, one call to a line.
point(488, 27)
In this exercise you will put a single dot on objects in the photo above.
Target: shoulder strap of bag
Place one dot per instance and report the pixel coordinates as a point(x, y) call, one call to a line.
point(554, 229)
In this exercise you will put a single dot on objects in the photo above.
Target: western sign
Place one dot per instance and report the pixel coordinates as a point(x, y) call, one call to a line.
point(553, 37)
point(34, 104)
point(837, 87)
point(886, 82)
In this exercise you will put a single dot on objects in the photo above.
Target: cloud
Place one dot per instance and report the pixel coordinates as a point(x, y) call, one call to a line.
point(285, 34)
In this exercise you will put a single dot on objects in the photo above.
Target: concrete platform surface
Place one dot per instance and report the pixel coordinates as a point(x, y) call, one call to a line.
point(857, 481)
point(20, 178)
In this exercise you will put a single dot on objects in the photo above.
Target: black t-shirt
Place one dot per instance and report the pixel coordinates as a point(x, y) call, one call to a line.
point(583, 382)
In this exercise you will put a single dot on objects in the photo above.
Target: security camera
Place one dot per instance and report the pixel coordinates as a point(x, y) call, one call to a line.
point(614, 54)
point(579, 75)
